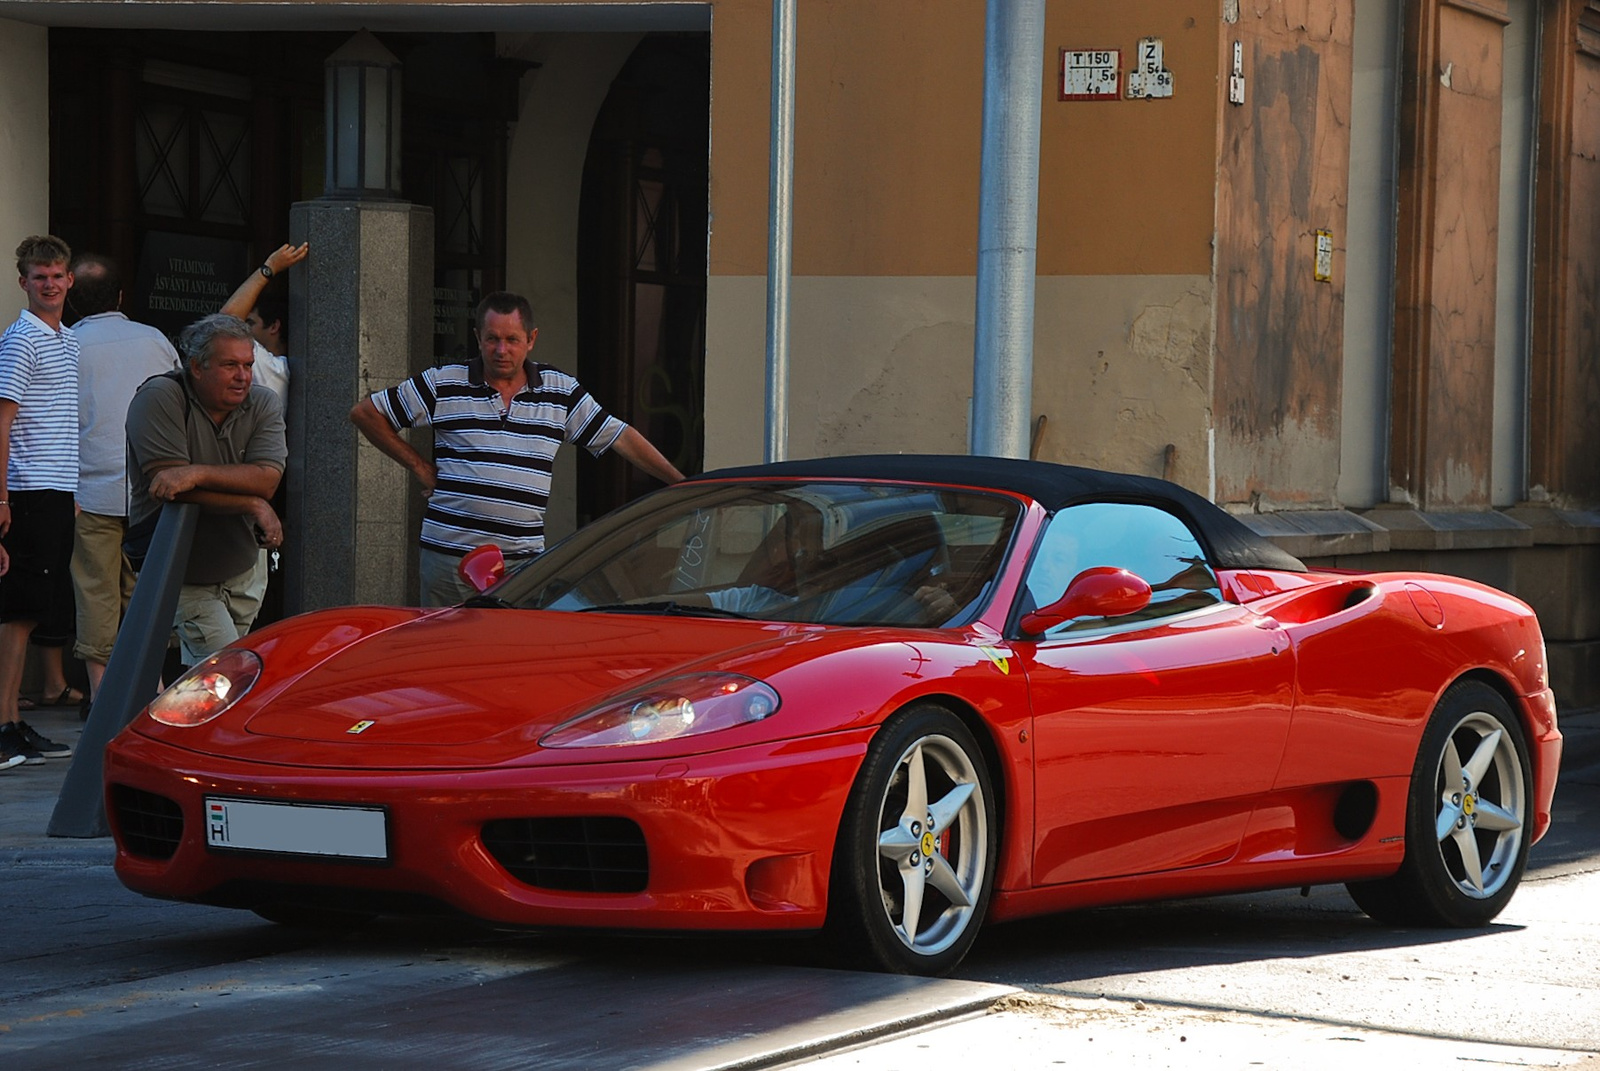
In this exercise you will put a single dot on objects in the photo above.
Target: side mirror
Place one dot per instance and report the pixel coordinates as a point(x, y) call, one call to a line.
point(1103, 591)
point(482, 567)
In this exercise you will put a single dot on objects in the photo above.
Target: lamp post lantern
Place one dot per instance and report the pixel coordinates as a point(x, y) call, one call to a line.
point(362, 109)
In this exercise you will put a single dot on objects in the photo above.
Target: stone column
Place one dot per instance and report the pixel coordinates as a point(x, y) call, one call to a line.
point(361, 313)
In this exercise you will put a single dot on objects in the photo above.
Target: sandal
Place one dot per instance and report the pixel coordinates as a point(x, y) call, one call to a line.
point(24, 703)
point(69, 697)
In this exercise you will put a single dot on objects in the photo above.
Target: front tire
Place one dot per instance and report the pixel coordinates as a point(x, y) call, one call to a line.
point(1466, 818)
point(915, 860)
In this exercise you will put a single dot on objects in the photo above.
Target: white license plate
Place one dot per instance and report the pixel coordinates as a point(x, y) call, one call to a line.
point(297, 828)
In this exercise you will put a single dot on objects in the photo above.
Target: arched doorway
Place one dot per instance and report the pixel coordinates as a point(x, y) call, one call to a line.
point(642, 233)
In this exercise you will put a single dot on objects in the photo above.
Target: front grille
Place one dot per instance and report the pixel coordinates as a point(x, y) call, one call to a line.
point(151, 825)
point(571, 854)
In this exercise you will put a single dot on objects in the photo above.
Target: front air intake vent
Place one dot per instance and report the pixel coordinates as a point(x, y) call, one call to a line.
point(601, 855)
point(150, 825)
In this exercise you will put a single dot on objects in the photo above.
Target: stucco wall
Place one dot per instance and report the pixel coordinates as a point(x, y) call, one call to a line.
point(888, 120)
point(888, 124)
point(24, 147)
point(1121, 369)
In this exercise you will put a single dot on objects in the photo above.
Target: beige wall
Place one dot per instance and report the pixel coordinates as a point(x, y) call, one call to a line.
point(24, 148)
point(1122, 369)
point(877, 365)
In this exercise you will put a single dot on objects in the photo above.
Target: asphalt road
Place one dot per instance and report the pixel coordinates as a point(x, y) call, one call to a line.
point(90, 973)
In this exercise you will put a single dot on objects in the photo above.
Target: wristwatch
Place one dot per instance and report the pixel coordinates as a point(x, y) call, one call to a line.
point(266, 271)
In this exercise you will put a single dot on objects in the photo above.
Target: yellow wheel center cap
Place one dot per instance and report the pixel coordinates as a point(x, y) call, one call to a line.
point(1469, 804)
point(927, 843)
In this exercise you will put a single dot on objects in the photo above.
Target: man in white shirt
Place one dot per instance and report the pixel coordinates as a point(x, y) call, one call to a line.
point(38, 478)
point(115, 355)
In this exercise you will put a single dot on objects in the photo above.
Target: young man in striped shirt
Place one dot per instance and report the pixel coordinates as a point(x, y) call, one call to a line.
point(38, 478)
point(497, 424)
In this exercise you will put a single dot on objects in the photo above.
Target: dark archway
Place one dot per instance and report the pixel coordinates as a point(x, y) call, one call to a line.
point(642, 233)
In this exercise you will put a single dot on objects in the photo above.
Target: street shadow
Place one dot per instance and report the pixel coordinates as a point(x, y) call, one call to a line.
point(1179, 934)
point(490, 999)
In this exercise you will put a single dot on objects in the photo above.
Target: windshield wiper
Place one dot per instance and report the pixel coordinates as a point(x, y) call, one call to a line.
point(675, 609)
point(489, 602)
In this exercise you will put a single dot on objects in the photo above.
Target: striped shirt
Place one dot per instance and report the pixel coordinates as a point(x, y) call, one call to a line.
point(494, 466)
point(39, 371)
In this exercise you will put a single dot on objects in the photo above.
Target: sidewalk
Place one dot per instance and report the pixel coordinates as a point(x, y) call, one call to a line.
point(28, 798)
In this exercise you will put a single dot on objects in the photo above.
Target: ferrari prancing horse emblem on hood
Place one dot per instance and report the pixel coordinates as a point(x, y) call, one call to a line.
point(360, 727)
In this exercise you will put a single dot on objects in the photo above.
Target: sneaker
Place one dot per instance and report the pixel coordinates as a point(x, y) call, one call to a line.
point(43, 744)
point(12, 742)
point(8, 760)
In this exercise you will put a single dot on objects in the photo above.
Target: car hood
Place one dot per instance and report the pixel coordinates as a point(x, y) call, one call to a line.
point(468, 686)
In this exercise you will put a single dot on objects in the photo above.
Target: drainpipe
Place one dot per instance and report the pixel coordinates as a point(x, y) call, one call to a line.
point(1008, 228)
point(780, 226)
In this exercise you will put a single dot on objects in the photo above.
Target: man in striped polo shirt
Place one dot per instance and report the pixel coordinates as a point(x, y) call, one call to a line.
point(497, 424)
point(38, 478)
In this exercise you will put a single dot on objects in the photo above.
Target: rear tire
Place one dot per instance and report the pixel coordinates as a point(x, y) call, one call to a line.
point(1467, 817)
point(915, 859)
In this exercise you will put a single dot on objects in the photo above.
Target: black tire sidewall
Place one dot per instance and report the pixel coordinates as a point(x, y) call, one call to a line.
point(861, 929)
point(1434, 890)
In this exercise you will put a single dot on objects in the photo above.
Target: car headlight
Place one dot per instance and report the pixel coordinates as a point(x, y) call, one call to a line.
point(208, 689)
point(666, 710)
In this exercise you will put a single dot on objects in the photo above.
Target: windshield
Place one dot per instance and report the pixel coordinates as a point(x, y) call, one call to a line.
point(822, 553)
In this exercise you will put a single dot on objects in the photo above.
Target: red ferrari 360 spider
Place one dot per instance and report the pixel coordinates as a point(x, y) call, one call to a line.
point(889, 697)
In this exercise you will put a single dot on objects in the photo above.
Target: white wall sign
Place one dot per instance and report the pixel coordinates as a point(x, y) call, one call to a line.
point(1089, 74)
point(1149, 78)
point(1324, 269)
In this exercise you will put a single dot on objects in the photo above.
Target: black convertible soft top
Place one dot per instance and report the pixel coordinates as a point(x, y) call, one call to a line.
point(1229, 543)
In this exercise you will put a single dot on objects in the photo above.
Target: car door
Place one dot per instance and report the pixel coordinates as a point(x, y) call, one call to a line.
point(1153, 733)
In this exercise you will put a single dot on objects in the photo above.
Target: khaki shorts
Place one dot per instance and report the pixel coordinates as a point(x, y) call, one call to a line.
point(102, 583)
point(211, 616)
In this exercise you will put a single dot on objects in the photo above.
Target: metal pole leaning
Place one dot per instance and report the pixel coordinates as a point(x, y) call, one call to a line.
point(131, 675)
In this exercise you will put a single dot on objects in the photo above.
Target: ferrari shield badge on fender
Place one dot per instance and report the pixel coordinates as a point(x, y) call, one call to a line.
point(1000, 658)
point(360, 727)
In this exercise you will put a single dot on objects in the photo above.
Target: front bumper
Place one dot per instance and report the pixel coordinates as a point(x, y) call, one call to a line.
point(736, 840)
